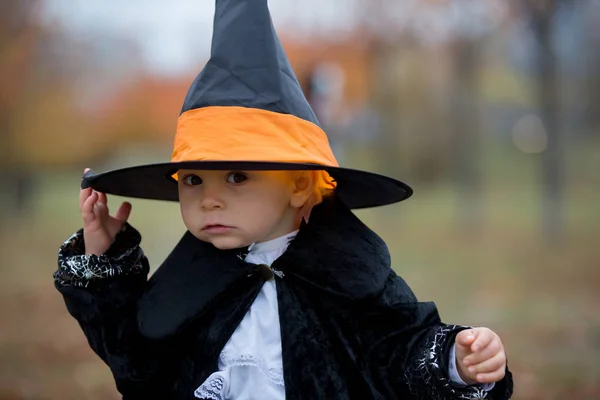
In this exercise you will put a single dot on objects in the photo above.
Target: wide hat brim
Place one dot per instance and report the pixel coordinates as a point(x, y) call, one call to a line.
point(357, 189)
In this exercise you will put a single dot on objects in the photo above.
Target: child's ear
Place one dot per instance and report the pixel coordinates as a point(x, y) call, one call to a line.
point(303, 187)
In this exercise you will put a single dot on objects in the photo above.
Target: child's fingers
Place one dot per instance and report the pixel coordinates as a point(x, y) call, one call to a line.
point(465, 338)
point(84, 194)
point(123, 212)
point(102, 198)
point(496, 363)
point(101, 207)
point(486, 353)
point(87, 209)
point(491, 376)
point(483, 337)
point(101, 211)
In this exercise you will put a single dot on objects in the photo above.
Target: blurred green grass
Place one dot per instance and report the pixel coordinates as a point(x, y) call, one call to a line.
point(541, 299)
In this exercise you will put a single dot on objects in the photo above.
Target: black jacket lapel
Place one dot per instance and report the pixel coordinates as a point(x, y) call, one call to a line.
point(338, 253)
point(192, 278)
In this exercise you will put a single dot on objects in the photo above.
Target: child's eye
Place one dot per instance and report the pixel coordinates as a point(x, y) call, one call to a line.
point(236, 177)
point(192, 180)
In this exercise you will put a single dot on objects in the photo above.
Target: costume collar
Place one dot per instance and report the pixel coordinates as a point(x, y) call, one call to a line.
point(335, 252)
point(274, 244)
point(338, 253)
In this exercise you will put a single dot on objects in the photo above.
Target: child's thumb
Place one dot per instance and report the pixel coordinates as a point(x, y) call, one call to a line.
point(465, 338)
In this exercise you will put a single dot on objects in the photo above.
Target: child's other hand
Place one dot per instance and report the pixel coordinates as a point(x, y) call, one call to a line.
point(480, 356)
point(99, 228)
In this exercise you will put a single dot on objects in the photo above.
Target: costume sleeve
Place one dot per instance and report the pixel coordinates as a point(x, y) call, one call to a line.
point(101, 293)
point(416, 353)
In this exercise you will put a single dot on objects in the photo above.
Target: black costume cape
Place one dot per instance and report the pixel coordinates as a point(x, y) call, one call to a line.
point(350, 327)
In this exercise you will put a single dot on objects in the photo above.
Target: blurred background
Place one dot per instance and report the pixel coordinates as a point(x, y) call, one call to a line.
point(489, 109)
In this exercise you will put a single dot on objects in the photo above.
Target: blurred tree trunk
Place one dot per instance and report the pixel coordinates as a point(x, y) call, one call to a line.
point(466, 143)
point(592, 89)
point(382, 96)
point(412, 143)
point(17, 41)
point(542, 14)
point(383, 102)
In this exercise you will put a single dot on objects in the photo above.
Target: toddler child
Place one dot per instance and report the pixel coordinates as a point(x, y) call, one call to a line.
point(277, 290)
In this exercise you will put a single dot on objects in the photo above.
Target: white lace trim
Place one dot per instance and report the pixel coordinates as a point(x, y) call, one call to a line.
point(228, 360)
point(213, 388)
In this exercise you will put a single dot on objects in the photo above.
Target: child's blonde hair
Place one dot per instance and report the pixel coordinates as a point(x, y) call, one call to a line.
point(323, 186)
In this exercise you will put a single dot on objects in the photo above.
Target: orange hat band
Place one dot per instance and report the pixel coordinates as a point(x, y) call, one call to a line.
point(250, 134)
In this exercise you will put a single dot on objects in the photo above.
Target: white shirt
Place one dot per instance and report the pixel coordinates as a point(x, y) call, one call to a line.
point(250, 364)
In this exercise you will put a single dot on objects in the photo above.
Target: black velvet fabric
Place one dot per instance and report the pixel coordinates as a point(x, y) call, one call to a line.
point(350, 327)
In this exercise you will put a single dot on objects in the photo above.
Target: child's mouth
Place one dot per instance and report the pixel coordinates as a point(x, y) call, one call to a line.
point(216, 229)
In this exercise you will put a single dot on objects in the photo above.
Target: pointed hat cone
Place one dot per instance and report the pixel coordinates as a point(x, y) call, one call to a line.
point(248, 66)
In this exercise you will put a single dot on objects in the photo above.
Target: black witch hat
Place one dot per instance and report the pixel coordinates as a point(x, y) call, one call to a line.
point(246, 111)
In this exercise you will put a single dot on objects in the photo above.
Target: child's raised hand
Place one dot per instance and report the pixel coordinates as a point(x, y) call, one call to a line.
point(99, 228)
point(480, 356)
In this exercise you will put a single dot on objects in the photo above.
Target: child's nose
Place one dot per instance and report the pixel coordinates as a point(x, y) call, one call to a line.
point(212, 197)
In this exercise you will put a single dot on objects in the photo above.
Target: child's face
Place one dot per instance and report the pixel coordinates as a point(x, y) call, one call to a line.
point(232, 209)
